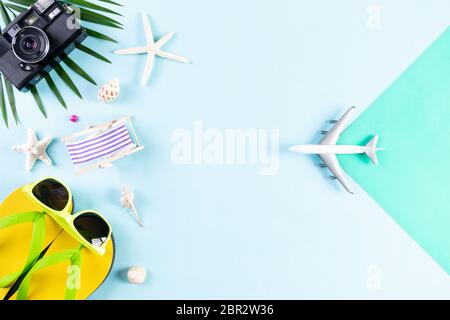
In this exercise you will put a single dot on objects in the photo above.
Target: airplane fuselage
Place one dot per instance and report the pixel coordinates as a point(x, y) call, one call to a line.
point(331, 149)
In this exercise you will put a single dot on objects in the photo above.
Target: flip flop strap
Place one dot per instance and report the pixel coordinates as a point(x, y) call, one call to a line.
point(75, 262)
point(37, 240)
point(75, 258)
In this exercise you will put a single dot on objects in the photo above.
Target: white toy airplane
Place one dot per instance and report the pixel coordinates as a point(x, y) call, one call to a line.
point(328, 149)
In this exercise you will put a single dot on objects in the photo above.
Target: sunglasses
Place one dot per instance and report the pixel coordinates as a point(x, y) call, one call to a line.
point(87, 227)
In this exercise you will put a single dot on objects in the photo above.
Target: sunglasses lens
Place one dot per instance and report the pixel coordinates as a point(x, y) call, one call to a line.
point(52, 193)
point(93, 228)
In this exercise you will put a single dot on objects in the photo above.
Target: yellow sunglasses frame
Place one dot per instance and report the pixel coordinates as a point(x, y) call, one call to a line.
point(65, 219)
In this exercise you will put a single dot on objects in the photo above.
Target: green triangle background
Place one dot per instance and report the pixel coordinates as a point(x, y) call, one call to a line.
point(412, 182)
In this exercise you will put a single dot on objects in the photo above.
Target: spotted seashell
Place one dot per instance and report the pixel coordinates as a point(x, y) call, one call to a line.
point(110, 91)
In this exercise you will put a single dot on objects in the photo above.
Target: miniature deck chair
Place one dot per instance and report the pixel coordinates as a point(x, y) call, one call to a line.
point(99, 146)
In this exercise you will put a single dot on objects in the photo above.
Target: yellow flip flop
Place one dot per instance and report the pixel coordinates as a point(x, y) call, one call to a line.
point(22, 237)
point(68, 271)
point(60, 263)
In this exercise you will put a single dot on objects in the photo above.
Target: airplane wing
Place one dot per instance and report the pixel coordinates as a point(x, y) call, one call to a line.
point(333, 135)
point(331, 161)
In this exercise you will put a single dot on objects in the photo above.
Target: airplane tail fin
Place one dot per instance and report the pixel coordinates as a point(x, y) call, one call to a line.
point(372, 149)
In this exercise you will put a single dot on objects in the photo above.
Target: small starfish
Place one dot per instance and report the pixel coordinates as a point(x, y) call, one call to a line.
point(35, 150)
point(152, 49)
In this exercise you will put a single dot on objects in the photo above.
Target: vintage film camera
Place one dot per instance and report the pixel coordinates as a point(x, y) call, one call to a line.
point(36, 39)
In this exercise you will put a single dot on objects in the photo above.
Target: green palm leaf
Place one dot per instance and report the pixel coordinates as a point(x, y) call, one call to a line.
point(111, 2)
point(23, 2)
point(4, 13)
point(15, 7)
point(12, 100)
point(38, 99)
point(98, 18)
point(66, 78)
point(98, 35)
point(2, 103)
point(77, 69)
point(92, 53)
point(55, 90)
point(26, 3)
point(87, 4)
point(8, 85)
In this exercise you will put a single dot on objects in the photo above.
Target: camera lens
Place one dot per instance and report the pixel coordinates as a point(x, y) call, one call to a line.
point(31, 45)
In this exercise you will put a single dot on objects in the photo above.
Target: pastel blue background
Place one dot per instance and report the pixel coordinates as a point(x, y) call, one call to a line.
point(228, 232)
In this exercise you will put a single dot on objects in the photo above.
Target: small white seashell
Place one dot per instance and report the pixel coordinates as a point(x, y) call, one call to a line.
point(127, 200)
point(110, 91)
point(137, 275)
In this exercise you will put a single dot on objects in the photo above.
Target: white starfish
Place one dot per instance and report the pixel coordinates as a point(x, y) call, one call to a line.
point(152, 49)
point(35, 150)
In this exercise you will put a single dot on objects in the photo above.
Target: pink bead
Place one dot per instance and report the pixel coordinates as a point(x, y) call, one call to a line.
point(74, 118)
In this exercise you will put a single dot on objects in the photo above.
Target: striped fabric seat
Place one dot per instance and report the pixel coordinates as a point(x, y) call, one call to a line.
point(109, 143)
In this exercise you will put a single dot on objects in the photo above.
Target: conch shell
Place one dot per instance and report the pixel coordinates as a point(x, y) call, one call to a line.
point(110, 91)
